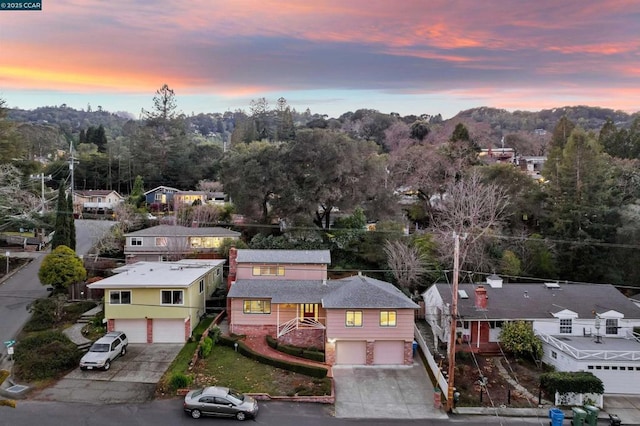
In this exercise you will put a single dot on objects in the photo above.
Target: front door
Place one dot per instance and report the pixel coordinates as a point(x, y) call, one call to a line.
point(309, 310)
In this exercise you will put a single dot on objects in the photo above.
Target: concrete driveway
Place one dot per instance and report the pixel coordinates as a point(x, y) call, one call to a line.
point(380, 392)
point(131, 378)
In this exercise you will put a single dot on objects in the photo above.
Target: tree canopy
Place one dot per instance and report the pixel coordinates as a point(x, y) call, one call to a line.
point(61, 268)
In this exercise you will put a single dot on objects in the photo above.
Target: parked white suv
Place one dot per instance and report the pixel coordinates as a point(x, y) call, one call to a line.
point(104, 351)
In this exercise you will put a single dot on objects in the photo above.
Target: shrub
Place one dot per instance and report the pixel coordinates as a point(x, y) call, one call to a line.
point(214, 334)
point(519, 338)
point(45, 355)
point(3, 376)
point(313, 355)
point(179, 381)
point(291, 350)
point(8, 403)
point(272, 342)
point(206, 347)
point(565, 382)
point(42, 315)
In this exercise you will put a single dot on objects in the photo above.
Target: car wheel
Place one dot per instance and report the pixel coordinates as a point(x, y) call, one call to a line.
point(196, 414)
point(123, 351)
point(83, 368)
point(241, 416)
point(107, 365)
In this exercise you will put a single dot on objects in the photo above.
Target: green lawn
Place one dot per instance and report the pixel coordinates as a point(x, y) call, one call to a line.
point(225, 367)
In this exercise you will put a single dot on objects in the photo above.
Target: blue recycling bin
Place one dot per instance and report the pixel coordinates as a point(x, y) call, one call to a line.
point(557, 417)
point(415, 347)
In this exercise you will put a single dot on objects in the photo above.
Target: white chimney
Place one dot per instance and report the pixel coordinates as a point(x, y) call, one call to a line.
point(494, 281)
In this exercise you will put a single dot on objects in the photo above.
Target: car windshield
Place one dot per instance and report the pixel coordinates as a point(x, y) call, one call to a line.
point(235, 395)
point(196, 393)
point(100, 347)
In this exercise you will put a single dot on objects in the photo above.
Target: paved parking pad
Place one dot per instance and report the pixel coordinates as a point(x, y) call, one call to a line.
point(381, 392)
point(131, 378)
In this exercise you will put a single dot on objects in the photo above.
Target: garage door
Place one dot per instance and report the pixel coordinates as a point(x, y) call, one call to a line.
point(168, 330)
point(621, 380)
point(135, 329)
point(388, 352)
point(351, 352)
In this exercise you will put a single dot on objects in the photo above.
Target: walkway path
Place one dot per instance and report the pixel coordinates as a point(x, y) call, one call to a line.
point(505, 374)
point(74, 333)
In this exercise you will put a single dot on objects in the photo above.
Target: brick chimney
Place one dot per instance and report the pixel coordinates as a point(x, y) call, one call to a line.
point(233, 266)
point(481, 298)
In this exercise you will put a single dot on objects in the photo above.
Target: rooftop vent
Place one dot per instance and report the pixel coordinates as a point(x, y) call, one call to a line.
point(463, 294)
point(552, 285)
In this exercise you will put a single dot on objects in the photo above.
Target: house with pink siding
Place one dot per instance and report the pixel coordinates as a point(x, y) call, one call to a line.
point(286, 294)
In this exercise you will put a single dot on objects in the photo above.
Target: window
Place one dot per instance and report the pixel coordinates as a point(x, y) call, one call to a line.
point(387, 318)
point(257, 307)
point(118, 297)
point(353, 319)
point(611, 326)
point(218, 272)
point(201, 286)
point(268, 270)
point(171, 297)
point(136, 241)
point(565, 326)
point(161, 241)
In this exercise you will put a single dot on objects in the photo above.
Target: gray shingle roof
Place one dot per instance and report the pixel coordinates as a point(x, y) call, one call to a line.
point(535, 300)
point(284, 256)
point(360, 291)
point(352, 292)
point(183, 231)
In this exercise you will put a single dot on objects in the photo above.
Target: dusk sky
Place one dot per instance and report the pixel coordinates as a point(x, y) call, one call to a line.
point(332, 56)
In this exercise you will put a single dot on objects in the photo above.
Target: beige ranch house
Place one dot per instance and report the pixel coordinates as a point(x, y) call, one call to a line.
point(286, 294)
point(159, 302)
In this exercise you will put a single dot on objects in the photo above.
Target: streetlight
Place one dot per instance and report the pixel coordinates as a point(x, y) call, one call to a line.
point(7, 254)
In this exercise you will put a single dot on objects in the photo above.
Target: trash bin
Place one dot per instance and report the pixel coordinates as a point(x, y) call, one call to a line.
point(415, 347)
point(579, 416)
point(557, 417)
point(592, 415)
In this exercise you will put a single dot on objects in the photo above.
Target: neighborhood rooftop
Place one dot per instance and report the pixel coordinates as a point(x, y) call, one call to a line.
point(284, 256)
point(158, 274)
point(537, 300)
point(183, 231)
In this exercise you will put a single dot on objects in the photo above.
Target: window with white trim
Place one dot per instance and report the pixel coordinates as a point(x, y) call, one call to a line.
point(201, 285)
point(611, 326)
point(120, 297)
point(161, 241)
point(171, 297)
point(353, 319)
point(272, 270)
point(566, 326)
point(388, 319)
point(136, 241)
point(256, 307)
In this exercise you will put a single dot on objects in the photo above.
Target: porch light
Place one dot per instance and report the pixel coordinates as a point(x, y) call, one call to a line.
point(331, 340)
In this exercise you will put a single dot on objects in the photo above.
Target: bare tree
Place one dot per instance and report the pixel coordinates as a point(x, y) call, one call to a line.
point(475, 211)
point(406, 263)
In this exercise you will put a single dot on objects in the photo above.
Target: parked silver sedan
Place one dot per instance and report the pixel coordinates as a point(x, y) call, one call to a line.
point(221, 402)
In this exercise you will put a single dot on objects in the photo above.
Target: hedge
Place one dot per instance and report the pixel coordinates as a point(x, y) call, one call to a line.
point(307, 370)
point(566, 382)
point(45, 355)
point(311, 353)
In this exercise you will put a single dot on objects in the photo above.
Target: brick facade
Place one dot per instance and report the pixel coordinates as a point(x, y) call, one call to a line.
point(111, 325)
point(304, 338)
point(370, 346)
point(408, 353)
point(149, 330)
point(254, 330)
point(187, 329)
point(330, 353)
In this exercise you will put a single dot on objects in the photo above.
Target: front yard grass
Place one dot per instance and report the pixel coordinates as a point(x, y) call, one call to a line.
point(226, 367)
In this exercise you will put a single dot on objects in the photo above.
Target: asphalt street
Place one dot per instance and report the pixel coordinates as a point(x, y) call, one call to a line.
point(24, 286)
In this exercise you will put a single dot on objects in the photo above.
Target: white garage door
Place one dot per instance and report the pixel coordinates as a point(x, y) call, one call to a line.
point(388, 352)
point(351, 352)
point(618, 380)
point(135, 329)
point(168, 330)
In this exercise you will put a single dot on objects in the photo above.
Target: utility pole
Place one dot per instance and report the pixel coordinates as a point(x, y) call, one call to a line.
point(72, 160)
point(454, 321)
point(42, 178)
